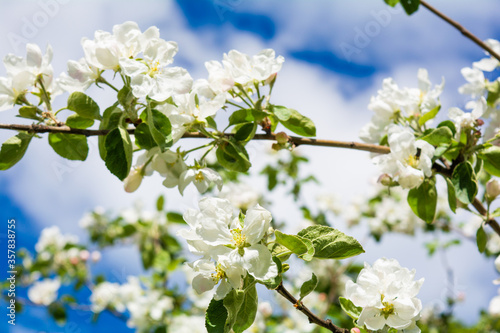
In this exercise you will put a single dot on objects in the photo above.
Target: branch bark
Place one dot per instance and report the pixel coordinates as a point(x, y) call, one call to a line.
point(462, 30)
point(313, 319)
point(294, 139)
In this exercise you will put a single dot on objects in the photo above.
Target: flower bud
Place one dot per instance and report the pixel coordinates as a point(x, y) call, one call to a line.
point(95, 256)
point(282, 138)
point(84, 255)
point(355, 330)
point(385, 180)
point(133, 180)
point(276, 146)
point(493, 188)
point(74, 260)
point(497, 263)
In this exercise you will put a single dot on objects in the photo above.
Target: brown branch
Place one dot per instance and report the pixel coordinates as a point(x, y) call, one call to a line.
point(295, 139)
point(313, 319)
point(460, 28)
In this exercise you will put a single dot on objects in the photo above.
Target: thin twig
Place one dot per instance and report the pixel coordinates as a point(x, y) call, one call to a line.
point(295, 139)
point(313, 319)
point(460, 28)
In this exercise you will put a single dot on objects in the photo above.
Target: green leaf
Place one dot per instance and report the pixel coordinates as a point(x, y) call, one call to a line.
point(274, 282)
point(119, 152)
point(441, 135)
point(491, 159)
point(348, 306)
point(77, 121)
point(29, 112)
point(294, 121)
point(215, 317)
point(452, 197)
point(233, 156)
point(493, 92)
point(246, 116)
point(125, 97)
point(160, 128)
point(423, 200)
point(281, 252)
point(58, 312)
point(71, 146)
point(481, 239)
point(429, 115)
point(410, 6)
point(302, 247)
point(245, 132)
point(161, 260)
point(160, 203)
point(330, 243)
point(449, 124)
point(112, 118)
point(308, 287)
point(242, 308)
point(83, 105)
point(13, 150)
point(464, 181)
point(143, 137)
point(175, 218)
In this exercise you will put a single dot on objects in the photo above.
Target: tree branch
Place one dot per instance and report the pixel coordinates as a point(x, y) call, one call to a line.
point(460, 28)
point(313, 319)
point(294, 139)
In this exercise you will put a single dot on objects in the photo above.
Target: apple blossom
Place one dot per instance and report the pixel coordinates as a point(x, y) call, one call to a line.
point(44, 292)
point(403, 162)
point(468, 120)
point(202, 178)
point(387, 293)
point(236, 246)
point(476, 86)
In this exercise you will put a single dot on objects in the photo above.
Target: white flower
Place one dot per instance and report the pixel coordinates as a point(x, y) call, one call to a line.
point(476, 86)
point(240, 68)
point(106, 49)
point(403, 162)
point(200, 103)
point(201, 178)
point(79, 77)
point(149, 75)
point(468, 120)
point(393, 102)
point(44, 292)
point(51, 239)
point(134, 179)
point(216, 233)
point(104, 294)
point(241, 195)
point(387, 293)
point(494, 307)
point(187, 324)
point(225, 273)
point(489, 64)
point(22, 73)
point(148, 308)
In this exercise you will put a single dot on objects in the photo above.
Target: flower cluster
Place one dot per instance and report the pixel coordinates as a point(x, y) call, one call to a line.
point(31, 74)
point(145, 306)
point(386, 292)
point(231, 246)
point(394, 105)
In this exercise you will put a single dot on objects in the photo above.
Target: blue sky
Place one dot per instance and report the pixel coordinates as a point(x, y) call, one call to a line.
point(337, 53)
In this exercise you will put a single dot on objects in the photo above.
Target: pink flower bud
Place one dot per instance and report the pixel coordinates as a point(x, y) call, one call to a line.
point(493, 188)
point(84, 255)
point(355, 330)
point(95, 256)
point(74, 260)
